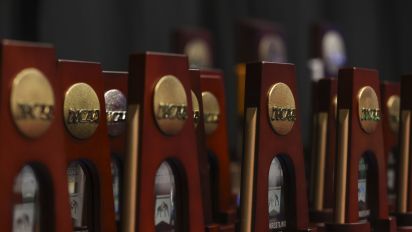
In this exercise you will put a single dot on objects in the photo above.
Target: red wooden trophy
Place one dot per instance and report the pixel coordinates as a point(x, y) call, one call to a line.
point(404, 194)
point(328, 52)
point(360, 171)
point(257, 40)
point(196, 43)
point(87, 146)
point(260, 40)
point(324, 152)
point(204, 162)
point(162, 182)
point(115, 87)
point(213, 98)
point(34, 194)
point(273, 196)
point(391, 105)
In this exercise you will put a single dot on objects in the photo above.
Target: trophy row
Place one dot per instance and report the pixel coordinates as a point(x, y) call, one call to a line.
point(147, 150)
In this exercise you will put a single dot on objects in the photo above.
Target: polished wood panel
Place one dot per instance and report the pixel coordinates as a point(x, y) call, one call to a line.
point(267, 145)
point(94, 150)
point(322, 200)
point(403, 209)
point(390, 137)
point(204, 163)
point(359, 143)
point(218, 145)
point(117, 80)
point(46, 153)
point(154, 147)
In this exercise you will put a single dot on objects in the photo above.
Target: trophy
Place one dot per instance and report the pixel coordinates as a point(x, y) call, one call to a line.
point(403, 195)
point(328, 51)
point(323, 155)
point(360, 171)
point(162, 176)
point(87, 146)
point(34, 194)
point(115, 87)
point(217, 145)
point(204, 161)
point(196, 43)
point(273, 176)
point(390, 123)
point(257, 40)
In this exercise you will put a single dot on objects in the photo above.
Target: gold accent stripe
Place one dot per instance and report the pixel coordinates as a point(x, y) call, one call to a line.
point(313, 156)
point(404, 162)
point(342, 166)
point(319, 181)
point(129, 212)
point(248, 170)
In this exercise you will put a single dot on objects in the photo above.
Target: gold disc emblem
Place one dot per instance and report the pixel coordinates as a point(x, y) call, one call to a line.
point(272, 48)
point(333, 51)
point(196, 109)
point(281, 108)
point(393, 105)
point(32, 102)
point(170, 105)
point(198, 53)
point(368, 109)
point(81, 110)
point(211, 112)
point(116, 111)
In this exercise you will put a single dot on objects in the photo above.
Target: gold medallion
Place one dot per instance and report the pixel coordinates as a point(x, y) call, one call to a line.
point(333, 51)
point(393, 105)
point(272, 48)
point(281, 108)
point(198, 53)
point(81, 110)
point(368, 109)
point(196, 109)
point(116, 111)
point(32, 102)
point(170, 105)
point(211, 112)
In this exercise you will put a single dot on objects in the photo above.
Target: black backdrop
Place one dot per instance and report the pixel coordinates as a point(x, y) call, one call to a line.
point(378, 33)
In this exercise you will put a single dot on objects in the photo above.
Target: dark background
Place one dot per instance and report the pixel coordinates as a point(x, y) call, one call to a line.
point(377, 33)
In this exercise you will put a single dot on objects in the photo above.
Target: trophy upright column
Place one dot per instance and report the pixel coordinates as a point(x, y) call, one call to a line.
point(273, 173)
point(33, 195)
point(360, 171)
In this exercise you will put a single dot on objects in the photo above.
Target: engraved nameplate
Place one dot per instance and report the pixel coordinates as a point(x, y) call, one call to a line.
point(283, 114)
point(83, 116)
point(172, 111)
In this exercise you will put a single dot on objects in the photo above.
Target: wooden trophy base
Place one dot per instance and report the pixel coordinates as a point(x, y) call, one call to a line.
point(385, 225)
point(227, 228)
point(310, 229)
point(405, 228)
point(381, 225)
point(227, 220)
point(404, 221)
point(348, 227)
point(319, 217)
point(227, 216)
point(212, 228)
